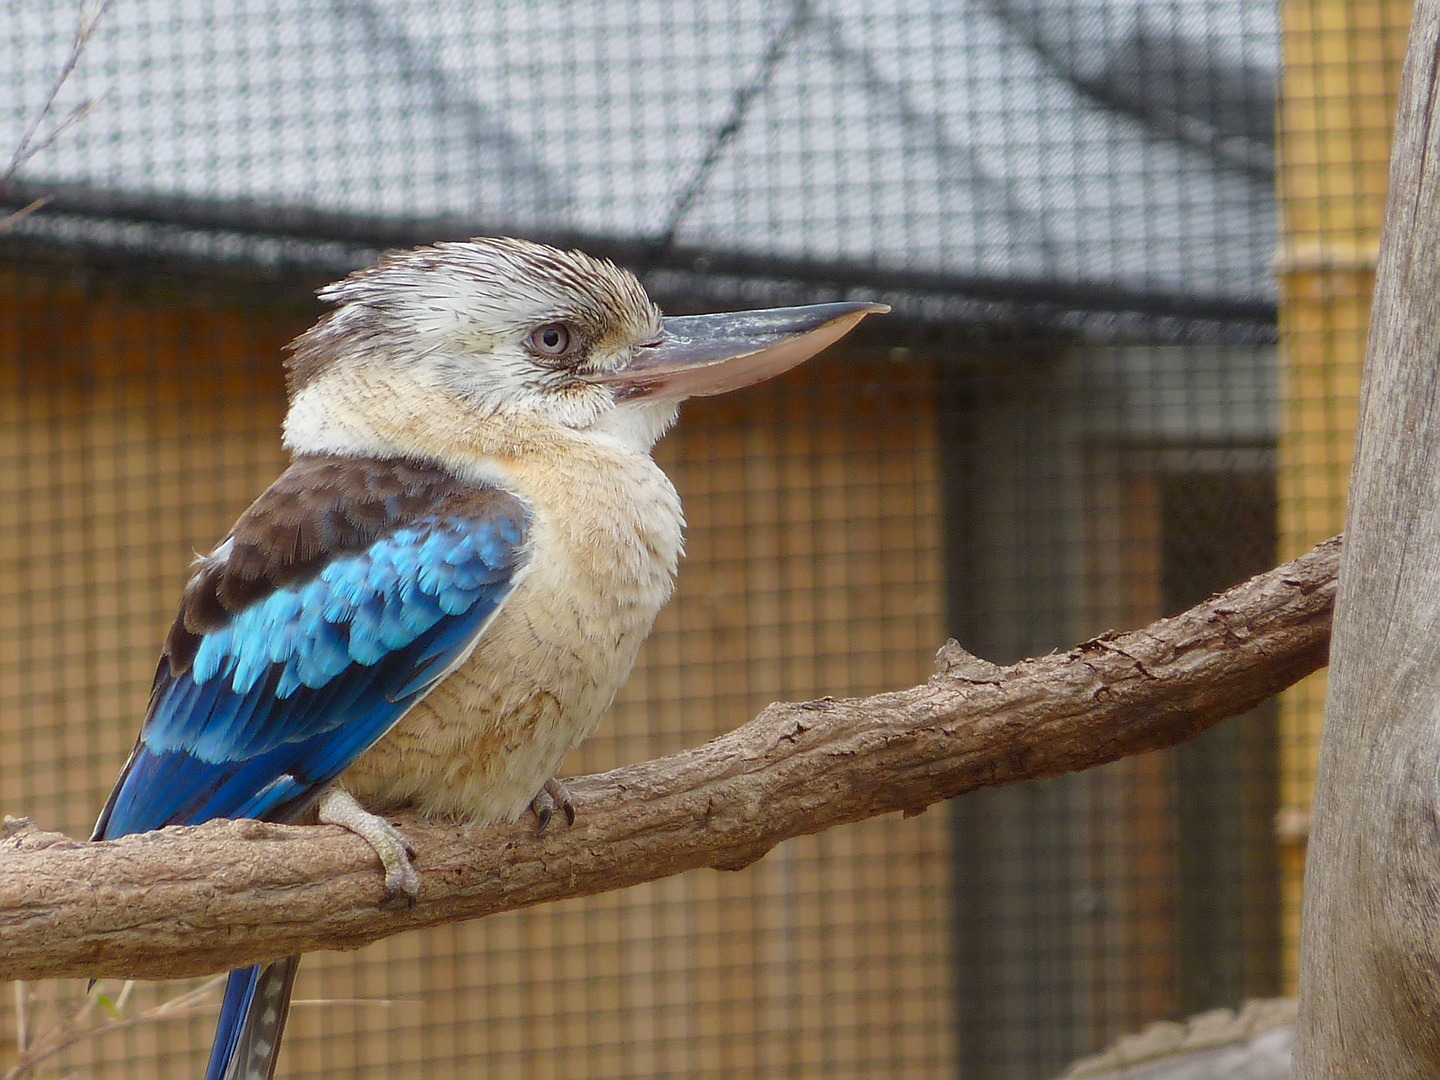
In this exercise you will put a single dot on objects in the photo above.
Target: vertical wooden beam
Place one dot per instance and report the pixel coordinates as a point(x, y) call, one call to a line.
point(1370, 956)
point(1342, 63)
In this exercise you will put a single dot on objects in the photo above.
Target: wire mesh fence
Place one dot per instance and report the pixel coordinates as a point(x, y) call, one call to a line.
point(1070, 423)
point(1333, 192)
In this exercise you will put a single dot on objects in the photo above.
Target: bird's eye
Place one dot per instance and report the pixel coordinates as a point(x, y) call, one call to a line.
point(552, 339)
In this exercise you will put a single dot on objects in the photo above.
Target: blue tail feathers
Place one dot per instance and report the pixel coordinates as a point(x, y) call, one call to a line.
point(252, 1019)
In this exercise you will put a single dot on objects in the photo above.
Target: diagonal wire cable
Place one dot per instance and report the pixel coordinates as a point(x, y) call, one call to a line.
point(1243, 153)
point(1022, 219)
point(419, 68)
point(800, 16)
point(1027, 224)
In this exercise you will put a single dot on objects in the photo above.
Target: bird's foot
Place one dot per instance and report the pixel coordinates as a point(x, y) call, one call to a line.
point(553, 794)
point(338, 807)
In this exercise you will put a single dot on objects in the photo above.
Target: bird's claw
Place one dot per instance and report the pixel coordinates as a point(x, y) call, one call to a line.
point(553, 794)
point(402, 885)
point(402, 882)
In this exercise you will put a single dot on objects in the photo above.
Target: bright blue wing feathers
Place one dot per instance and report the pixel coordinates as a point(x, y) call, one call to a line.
point(288, 692)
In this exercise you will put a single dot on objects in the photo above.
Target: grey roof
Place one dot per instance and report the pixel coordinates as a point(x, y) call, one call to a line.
point(1106, 143)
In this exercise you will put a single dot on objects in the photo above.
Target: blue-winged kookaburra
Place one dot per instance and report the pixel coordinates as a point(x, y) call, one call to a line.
point(441, 595)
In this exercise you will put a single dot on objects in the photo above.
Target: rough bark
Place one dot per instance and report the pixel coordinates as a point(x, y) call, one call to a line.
point(187, 901)
point(1370, 941)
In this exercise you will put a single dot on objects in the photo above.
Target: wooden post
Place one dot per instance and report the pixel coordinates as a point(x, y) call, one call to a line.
point(1370, 941)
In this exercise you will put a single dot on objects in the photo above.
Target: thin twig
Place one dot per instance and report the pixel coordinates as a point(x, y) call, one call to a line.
point(73, 117)
point(385, 1003)
point(29, 146)
point(124, 994)
point(22, 1027)
point(24, 212)
point(63, 1036)
point(191, 1003)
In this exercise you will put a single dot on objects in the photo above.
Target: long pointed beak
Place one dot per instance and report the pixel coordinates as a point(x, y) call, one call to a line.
point(700, 355)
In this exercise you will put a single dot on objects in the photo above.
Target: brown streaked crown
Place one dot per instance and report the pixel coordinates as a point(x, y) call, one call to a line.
point(504, 285)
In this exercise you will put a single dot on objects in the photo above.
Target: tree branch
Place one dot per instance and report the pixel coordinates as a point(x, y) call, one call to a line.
point(187, 901)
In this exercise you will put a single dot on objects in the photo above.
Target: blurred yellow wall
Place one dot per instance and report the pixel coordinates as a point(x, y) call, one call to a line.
point(1341, 72)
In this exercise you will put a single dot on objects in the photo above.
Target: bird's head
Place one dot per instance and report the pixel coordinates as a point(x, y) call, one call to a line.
point(514, 329)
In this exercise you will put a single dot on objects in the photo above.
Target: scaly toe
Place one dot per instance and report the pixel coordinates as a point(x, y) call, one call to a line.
point(553, 794)
point(561, 794)
point(338, 807)
point(402, 883)
point(543, 807)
